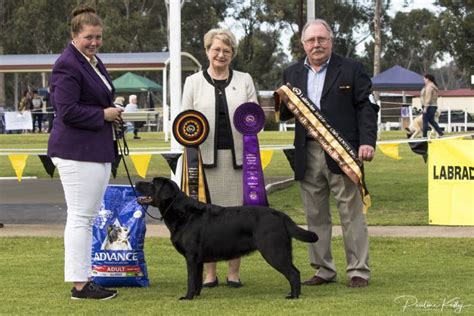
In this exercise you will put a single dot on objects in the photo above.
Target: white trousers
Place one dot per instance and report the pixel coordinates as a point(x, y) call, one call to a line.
point(84, 184)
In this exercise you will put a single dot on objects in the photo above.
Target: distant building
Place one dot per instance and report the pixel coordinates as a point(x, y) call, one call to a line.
point(459, 99)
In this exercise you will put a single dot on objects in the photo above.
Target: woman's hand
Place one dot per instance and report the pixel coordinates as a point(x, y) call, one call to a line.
point(113, 114)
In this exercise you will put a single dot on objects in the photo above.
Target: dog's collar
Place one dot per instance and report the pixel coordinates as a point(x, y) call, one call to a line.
point(166, 211)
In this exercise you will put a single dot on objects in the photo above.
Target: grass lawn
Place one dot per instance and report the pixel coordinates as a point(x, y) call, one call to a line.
point(430, 270)
point(399, 188)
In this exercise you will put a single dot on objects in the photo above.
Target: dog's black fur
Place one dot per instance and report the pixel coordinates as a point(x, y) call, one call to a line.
point(208, 233)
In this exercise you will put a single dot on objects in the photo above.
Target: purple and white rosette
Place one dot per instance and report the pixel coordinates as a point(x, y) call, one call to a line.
point(249, 119)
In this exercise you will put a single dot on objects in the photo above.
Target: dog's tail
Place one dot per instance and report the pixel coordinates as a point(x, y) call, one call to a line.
point(298, 232)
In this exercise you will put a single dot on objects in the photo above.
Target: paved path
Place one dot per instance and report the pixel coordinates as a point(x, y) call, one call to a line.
point(36, 207)
point(160, 230)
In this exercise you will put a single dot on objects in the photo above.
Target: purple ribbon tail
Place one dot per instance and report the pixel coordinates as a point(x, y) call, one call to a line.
point(253, 181)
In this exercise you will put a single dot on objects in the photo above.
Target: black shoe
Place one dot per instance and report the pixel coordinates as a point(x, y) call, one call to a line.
point(136, 137)
point(92, 291)
point(211, 284)
point(234, 284)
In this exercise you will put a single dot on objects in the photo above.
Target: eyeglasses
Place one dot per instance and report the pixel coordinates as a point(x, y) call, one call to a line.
point(218, 51)
point(313, 40)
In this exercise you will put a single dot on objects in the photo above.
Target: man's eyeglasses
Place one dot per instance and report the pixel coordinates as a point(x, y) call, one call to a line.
point(313, 40)
point(218, 51)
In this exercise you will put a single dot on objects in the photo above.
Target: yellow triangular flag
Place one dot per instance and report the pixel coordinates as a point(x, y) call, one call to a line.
point(266, 157)
point(18, 163)
point(390, 150)
point(141, 162)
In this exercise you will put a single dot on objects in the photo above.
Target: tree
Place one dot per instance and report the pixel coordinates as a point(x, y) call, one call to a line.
point(259, 51)
point(198, 17)
point(416, 40)
point(457, 23)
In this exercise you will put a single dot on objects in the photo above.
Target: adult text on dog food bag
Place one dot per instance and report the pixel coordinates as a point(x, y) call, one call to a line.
point(118, 239)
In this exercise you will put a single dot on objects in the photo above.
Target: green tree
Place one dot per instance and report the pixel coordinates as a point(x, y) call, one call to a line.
point(457, 23)
point(133, 26)
point(259, 51)
point(197, 18)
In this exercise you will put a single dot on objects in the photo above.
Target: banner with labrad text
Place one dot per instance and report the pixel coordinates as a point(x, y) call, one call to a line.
point(451, 182)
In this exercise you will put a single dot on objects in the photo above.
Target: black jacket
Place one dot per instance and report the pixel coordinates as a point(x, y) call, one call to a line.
point(344, 103)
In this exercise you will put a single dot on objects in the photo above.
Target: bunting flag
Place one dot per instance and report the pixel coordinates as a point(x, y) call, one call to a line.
point(18, 163)
point(420, 148)
point(266, 157)
point(47, 164)
point(141, 162)
point(115, 165)
point(172, 160)
point(290, 156)
point(390, 150)
point(331, 141)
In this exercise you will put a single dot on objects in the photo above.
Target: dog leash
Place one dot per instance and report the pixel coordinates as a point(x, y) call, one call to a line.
point(125, 151)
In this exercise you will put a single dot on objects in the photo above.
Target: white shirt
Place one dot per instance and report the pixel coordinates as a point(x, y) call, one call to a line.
point(93, 62)
point(131, 107)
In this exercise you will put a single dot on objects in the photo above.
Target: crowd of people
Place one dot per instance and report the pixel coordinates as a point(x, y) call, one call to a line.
point(82, 148)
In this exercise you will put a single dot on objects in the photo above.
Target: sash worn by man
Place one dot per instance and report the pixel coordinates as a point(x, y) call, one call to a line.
point(340, 89)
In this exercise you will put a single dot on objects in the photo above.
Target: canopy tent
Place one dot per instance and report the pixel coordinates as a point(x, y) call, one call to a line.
point(397, 79)
point(130, 82)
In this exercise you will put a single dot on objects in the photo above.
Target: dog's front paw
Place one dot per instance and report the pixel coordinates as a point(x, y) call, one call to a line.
point(291, 297)
point(183, 298)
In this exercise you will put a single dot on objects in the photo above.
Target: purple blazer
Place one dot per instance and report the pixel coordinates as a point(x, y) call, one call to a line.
point(79, 98)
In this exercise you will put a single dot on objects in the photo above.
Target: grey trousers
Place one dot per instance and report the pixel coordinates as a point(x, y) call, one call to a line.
point(315, 189)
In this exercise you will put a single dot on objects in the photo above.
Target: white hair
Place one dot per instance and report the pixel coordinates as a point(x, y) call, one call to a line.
point(132, 97)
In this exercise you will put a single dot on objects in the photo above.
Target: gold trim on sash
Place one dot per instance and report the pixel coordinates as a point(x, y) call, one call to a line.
point(329, 139)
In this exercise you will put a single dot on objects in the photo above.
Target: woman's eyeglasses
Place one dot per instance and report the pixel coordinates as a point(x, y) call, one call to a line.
point(218, 51)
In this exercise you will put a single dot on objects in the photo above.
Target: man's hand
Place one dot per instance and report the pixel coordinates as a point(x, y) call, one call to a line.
point(366, 152)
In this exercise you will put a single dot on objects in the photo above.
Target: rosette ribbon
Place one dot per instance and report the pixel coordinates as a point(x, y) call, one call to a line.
point(249, 119)
point(190, 128)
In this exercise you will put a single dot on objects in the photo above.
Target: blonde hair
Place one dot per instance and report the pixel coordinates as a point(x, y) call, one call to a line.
point(224, 35)
point(119, 100)
point(83, 15)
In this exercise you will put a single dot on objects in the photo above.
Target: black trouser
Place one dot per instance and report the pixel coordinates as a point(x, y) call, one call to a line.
point(429, 117)
point(37, 119)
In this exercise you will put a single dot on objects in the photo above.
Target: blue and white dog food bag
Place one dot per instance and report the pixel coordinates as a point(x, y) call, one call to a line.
point(118, 239)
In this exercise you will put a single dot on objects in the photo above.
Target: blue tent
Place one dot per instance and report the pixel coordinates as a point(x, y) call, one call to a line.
point(397, 79)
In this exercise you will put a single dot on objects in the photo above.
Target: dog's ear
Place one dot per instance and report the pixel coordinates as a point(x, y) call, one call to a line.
point(165, 188)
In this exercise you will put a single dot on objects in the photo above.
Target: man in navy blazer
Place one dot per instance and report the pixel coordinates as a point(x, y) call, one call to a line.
point(79, 97)
point(341, 89)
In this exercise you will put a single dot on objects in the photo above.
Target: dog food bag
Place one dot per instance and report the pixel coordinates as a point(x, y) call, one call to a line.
point(118, 239)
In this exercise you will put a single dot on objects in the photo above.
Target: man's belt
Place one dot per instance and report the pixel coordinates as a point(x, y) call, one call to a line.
point(326, 135)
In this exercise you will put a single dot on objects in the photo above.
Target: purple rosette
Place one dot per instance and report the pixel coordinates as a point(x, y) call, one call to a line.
point(249, 119)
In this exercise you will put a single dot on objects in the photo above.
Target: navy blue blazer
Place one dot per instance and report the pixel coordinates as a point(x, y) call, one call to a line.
point(79, 97)
point(344, 103)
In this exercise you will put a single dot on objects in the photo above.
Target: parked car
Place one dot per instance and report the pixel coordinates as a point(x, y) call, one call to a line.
point(457, 116)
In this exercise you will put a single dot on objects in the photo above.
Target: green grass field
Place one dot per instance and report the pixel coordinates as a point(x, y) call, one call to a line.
point(410, 276)
point(431, 270)
point(398, 187)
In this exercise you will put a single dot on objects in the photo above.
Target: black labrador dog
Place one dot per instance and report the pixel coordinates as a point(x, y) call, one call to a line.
point(209, 233)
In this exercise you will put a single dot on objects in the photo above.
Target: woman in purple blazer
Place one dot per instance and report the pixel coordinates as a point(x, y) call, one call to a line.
point(81, 144)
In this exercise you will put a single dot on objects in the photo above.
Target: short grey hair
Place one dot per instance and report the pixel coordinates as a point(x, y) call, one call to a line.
point(315, 22)
point(224, 35)
point(132, 97)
